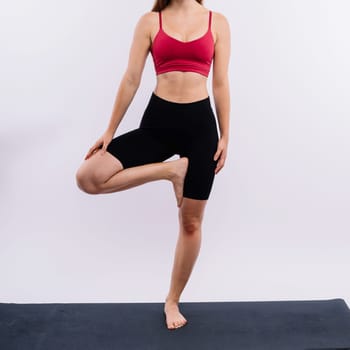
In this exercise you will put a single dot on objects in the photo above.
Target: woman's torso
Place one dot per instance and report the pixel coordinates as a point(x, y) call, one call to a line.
point(178, 86)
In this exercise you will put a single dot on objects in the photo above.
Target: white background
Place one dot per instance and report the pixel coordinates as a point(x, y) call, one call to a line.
point(276, 226)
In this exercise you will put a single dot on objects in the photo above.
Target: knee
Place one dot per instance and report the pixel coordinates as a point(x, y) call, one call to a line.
point(84, 182)
point(190, 224)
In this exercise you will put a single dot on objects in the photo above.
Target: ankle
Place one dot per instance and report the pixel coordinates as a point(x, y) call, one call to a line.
point(171, 300)
point(170, 171)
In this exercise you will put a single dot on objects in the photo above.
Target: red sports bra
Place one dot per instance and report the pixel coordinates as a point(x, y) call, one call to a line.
point(170, 54)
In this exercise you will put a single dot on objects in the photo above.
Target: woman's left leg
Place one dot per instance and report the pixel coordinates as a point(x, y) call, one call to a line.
point(187, 249)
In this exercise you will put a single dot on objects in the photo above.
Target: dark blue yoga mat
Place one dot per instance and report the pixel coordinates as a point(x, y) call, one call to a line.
point(259, 325)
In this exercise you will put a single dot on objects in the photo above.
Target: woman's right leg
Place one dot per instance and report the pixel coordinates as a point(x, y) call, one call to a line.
point(105, 174)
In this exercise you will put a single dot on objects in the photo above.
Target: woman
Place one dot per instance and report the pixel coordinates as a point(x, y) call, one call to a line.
point(184, 39)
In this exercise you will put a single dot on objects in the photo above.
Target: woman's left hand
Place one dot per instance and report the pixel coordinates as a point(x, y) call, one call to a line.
point(221, 154)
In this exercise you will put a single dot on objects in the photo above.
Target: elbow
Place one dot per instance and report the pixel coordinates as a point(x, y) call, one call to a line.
point(132, 79)
point(220, 83)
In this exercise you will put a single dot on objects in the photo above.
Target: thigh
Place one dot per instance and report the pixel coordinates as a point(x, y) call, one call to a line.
point(99, 167)
point(201, 167)
point(192, 209)
point(138, 147)
point(199, 144)
point(200, 177)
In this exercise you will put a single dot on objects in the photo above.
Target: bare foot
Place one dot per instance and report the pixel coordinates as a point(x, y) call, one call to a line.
point(174, 319)
point(178, 178)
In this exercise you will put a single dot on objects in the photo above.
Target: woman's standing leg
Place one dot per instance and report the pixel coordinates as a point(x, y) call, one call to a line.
point(187, 249)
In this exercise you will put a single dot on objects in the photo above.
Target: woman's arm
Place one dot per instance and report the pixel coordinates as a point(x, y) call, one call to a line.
point(130, 81)
point(220, 84)
point(132, 76)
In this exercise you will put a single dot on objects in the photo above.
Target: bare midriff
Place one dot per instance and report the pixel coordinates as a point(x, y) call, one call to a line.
point(181, 87)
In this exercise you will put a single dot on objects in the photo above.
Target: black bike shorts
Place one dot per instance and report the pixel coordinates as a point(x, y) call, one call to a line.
point(168, 128)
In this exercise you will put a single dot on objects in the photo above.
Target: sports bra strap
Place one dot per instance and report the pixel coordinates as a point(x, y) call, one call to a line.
point(171, 54)
point(160, 20)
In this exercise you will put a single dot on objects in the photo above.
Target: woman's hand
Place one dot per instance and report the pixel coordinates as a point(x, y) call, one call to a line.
point(103, 142)
point(221, 154)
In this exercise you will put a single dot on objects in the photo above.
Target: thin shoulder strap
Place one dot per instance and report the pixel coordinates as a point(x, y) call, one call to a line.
point(209, 19)
point(160, 19)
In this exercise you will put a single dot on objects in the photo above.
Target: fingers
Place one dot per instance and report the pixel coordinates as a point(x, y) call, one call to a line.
point(89, 154)
point(221, 162)
point(104, 148)
point(220, 155)
point(93, 149)
point(217, 153)
point(220, 165)
point(102, 143)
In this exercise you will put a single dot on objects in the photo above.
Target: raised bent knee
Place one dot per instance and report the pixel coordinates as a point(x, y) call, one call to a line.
point(84, 183)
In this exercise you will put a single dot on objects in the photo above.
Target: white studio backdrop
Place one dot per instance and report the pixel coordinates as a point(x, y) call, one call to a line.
point(276, 226)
